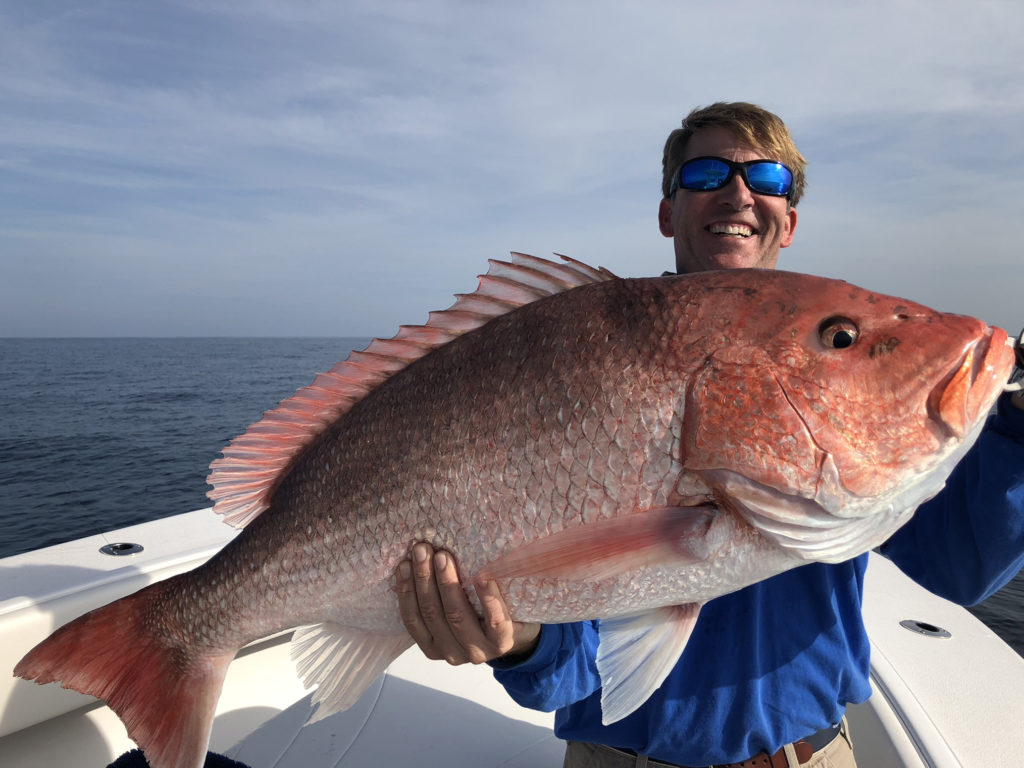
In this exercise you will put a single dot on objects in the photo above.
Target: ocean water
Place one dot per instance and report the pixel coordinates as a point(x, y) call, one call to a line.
point(97, 434)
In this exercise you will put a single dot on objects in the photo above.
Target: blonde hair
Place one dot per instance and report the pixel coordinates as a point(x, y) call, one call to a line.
point(754, 125)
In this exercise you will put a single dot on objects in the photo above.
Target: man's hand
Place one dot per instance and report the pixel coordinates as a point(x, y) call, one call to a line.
point(442, 621)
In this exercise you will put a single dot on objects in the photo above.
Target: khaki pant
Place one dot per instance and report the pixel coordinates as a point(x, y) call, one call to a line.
point(578, 754)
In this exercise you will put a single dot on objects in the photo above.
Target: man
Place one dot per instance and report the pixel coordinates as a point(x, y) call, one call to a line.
point(770, 669)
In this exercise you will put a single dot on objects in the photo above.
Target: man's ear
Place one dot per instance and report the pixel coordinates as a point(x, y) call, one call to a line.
point(665, 218)
point(787, 238)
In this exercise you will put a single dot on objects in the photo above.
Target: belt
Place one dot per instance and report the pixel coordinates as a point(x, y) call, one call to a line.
point(804, 749)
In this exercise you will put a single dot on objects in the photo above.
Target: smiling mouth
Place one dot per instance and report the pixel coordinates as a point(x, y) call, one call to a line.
point(731, 230)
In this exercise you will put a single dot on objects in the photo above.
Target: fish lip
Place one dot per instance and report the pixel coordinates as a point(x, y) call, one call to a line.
point(964, 393)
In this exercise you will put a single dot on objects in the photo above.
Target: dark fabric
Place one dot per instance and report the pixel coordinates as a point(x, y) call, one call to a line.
point(135, 759)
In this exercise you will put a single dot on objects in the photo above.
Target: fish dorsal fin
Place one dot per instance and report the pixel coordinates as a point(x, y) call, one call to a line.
point(245, 478)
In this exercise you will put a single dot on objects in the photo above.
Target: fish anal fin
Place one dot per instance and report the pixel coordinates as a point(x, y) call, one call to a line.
point(342, 662)
point(609, 547)
point(165, 697)
point(636, 653)
point(245, 479)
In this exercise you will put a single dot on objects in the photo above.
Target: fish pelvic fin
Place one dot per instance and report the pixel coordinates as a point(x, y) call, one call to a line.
point(165, 696)
point(636, 653)
point(245, 478)
point(342, 662)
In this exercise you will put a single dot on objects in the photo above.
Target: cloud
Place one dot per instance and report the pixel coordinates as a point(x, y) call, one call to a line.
point(339, 168)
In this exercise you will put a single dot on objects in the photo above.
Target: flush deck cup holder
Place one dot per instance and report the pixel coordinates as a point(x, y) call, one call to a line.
point(924, 628)
point(121, 549)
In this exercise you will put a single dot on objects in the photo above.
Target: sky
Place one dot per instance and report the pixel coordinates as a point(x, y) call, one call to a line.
point(339, 168)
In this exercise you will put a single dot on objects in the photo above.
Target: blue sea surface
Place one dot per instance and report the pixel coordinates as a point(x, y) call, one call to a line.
point(97, 434)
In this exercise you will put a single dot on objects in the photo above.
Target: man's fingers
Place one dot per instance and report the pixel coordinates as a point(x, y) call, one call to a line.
point(433, 612)
point(508, 637)
point(409, 610)
point(458, 612)
point(495, 619)
point(440, 618)
point(461, 617)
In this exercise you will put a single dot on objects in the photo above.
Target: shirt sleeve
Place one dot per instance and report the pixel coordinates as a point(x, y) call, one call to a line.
point(561, 671)
point(968, 541)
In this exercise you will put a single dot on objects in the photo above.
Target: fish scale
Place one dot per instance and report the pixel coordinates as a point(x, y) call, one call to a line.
point(601, 448)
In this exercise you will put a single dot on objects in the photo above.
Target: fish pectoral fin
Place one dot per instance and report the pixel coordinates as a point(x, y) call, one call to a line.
point(636, 654)
point(342, 662)
point(607, 548)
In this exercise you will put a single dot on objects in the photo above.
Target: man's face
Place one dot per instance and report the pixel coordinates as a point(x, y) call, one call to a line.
point(726, 228)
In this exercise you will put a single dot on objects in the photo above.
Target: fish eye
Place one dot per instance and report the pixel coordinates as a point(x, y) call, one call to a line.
point(838, 333)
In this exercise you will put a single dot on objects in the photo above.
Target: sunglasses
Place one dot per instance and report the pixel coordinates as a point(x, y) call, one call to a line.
point(703, 174)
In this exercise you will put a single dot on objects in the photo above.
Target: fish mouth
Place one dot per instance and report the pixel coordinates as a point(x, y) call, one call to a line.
point(973, 385)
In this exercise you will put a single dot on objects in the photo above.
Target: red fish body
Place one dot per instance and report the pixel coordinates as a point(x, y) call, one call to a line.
point(603, 448)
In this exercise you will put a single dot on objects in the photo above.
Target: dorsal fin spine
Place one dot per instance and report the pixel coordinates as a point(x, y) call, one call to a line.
point(252, 465)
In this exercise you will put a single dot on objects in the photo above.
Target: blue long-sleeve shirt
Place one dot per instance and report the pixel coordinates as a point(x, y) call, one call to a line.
point(782, 658)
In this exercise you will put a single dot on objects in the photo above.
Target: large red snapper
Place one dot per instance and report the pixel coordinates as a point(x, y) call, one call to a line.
point(604, 448)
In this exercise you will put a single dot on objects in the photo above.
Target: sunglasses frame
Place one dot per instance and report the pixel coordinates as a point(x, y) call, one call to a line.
point(734, 168)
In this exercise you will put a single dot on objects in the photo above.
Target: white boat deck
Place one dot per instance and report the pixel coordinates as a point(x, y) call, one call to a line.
point(938, 701)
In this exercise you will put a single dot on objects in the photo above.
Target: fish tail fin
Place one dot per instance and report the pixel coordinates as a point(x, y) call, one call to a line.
point(164, 692)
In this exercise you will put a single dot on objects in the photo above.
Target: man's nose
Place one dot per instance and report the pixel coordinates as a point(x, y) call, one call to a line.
point(736, 193)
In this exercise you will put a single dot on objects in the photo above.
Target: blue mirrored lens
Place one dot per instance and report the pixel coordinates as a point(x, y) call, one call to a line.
point(769, 178)
point(704, 173)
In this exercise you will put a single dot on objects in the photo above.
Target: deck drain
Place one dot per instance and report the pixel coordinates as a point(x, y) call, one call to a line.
point(924, 628)
point(121, 548)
